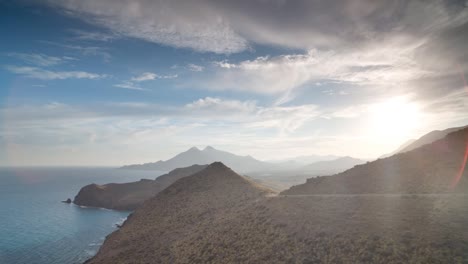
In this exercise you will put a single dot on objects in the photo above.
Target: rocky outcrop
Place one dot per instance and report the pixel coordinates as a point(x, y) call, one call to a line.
point(128, 196)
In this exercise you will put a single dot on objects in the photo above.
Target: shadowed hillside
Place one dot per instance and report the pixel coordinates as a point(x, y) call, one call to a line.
point(128, 196)
point(431, 168)
point(217, 216)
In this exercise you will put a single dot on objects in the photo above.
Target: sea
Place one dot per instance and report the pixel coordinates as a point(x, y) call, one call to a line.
point(37, 228)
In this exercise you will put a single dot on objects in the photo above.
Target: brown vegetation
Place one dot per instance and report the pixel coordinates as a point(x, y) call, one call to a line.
point(217, 216)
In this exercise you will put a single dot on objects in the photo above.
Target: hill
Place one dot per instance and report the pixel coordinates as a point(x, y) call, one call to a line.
point(425, 139)
point(217, 216)
point(431, 168)
point(400, 149)
point(128, 196)
point(205, 156)
point(430, 137)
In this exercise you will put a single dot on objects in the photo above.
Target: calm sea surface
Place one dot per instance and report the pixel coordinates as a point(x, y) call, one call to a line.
point(35, 227)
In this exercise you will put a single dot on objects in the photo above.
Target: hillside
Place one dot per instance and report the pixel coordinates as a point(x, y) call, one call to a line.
point(430, 137)
point(205, 156)
point(431, 168)
point(400, 149)
point(128, 196)
point(217, 216)
point(425, 139)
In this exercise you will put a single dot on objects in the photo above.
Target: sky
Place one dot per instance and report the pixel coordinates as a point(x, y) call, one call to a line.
point(113, 82)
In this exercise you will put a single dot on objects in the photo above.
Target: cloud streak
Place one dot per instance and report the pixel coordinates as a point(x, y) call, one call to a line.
point(40, 59)
point(42, 74)
point(229, 27)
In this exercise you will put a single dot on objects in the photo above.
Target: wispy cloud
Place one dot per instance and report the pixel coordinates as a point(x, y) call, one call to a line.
point(130, 86)
point(144, 77)
point(42, 74)
point(84, 50)
point(150, 76)
point(164, 22)
point(94, 35)
point(227, 27)
point(40, 59)
point(218, 105)
point(377, 66)
point(195, 68)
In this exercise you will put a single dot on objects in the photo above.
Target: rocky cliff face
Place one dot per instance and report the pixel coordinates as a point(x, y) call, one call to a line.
point(217, 216)
point(128, 196)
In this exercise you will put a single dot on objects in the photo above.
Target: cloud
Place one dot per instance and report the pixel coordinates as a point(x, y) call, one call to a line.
point(130, 86)
point(386, 64)
point(42, 74)
point(39, 59)
point(195, 68)
point(229, 27)
point(84, 50)
point(149, 76)
point(146, 76)
point(93, 35)
point(165, 22)
point(286, 119)
point(218, 105)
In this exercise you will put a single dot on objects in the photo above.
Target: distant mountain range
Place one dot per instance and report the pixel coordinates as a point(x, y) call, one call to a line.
point(333, 166)
point(206, 156)
point(304, 160)
point(247, 164)
point(426, 139)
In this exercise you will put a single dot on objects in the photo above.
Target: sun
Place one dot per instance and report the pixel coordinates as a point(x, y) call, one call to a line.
point(395, 119)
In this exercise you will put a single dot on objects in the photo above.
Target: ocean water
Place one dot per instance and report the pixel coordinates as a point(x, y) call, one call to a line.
point(35, 227)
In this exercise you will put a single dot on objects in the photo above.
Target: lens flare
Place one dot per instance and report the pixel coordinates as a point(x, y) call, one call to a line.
point(465, 158)
point(462, 168)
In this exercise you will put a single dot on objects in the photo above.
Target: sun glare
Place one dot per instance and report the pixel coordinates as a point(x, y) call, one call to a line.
point(395, 119)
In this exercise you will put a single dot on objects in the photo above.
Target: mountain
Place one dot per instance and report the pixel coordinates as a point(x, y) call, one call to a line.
point(128, 196)
point(303, 160)
point(400, 149)
point(426, 139)
point(431, 168)
point(217, 216)
point(430, 137)
point(333, 166)
point(205, 156)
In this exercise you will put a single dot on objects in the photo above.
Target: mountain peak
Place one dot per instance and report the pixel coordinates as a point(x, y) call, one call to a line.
point(194, 149)
point(217, 165)
point(208, 148)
